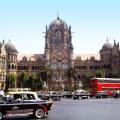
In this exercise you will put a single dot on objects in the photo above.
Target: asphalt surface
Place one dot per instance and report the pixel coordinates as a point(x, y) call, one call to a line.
point(89, 109)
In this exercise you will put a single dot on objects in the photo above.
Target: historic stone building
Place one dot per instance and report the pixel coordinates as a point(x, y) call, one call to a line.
point(85, 66)
point(59, 58)
point(11, 53)
point(59, 52)
point(30, 63)
point(8, 62)
point(108, 61)
point(3, 65)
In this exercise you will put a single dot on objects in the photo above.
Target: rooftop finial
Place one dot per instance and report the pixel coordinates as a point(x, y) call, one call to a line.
point(3, 41)
point(46, 27)
point(9, 40)
point(57, 15)
point(114, 42)
point(107, 39)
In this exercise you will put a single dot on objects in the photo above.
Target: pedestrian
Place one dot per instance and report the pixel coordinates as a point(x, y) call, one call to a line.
point(2, 93)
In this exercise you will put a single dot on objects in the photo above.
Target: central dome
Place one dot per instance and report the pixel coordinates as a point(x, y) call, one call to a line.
point(107, 46)
point(58, 24)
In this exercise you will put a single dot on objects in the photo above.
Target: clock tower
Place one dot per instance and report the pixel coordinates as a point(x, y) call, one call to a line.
point(58, 53)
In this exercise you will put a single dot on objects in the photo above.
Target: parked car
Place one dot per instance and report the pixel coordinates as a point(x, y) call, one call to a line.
point(68, 94)
point(101, 94)
point(116, 95)
point(24, 103)
point(81, 95)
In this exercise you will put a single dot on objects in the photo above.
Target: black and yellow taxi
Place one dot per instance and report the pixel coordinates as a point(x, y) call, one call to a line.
point(24, 102)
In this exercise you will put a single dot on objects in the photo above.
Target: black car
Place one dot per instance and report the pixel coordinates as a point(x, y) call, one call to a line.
point(101, 95)
point(81, 95)
point(24, 103)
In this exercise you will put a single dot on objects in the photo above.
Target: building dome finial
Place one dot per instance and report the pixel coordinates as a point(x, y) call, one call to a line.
point(57, 14)
point(58, 24)
point(107, 39)
point(3, 41)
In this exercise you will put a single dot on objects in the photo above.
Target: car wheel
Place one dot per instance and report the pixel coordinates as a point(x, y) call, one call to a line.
point(1, 115)
point(39, 113)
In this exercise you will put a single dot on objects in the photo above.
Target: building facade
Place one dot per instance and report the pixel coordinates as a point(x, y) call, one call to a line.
point(8, 62)
point(58, 53)
point(3, 65)
point(59, 58)
point(108, 62)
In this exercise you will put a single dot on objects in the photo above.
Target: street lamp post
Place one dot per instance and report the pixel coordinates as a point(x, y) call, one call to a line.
point(63, 87)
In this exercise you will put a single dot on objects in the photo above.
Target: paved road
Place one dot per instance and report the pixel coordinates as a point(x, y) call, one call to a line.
point(90, 109)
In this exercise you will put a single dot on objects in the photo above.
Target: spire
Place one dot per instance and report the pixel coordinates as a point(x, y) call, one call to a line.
point(3, 41)
point(9, 40)
point(58, 15)
point(107, 39)
point(118, 44)
point(46, 28)
point(114, 42)
point(69, 27)
point(3, 51)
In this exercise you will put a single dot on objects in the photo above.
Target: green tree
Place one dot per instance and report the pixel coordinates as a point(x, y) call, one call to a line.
point(31, 79)
point(23, 79)
point(99, 73)
point(46, 74)
point(35, 82)
point(10, 81)
point(86, 80)
point(38, 83)
point(71, 74)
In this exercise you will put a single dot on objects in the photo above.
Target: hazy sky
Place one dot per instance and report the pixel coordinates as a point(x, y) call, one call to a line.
point(92, 21)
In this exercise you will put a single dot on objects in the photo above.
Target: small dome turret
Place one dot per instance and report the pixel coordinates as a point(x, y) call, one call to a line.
point(107, 46)
point(10, 46)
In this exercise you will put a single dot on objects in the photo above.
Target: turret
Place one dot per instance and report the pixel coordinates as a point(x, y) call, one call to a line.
point(114, 42)
point(46, 29)
point(71, 55)
point(47, 49)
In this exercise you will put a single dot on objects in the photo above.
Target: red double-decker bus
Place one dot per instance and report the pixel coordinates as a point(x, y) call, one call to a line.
point(104, 84)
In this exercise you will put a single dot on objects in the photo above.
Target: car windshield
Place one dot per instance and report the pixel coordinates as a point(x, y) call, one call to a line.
point(28, 97)
point(1, 98)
